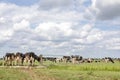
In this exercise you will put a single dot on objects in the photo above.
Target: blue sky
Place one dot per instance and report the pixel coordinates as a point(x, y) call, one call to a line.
point(89, 28)
point(21, 2)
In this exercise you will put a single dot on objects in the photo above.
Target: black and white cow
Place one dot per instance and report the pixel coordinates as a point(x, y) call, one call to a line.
point(53, 59)
point(66, 59)
point(76, 59)
point(30, 58)
point(9, 59)
point(19, 58)
point(108, 59)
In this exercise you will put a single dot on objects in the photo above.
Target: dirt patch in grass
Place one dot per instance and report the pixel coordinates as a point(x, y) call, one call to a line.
point(36, 76)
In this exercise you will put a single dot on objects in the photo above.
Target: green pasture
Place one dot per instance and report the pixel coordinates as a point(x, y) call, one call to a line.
point(64, 71)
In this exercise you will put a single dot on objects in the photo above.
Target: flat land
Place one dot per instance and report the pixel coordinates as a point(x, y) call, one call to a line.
point(63, 71)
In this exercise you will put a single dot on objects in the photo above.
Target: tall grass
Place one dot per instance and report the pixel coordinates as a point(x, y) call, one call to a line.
point(87, 67)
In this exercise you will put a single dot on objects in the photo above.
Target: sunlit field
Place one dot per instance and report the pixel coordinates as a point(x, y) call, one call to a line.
point(63, 71)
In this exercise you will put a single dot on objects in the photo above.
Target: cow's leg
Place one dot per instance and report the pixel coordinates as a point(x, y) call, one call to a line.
point(73, 60)
point(15, 62)
point(26, 61)
point(30, 62)
point(8, 61)
point(22, 61)
point(19, 62)
point(12, 61)
point(65, 60)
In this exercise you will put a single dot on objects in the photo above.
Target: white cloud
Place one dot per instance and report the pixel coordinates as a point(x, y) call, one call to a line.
point(24, 24)
point(92, 36)
point(113, 43)
point(85, 30)
point(5, 34)
point(111, 40)
point(2, 20)
point(106, 9)
point(55, 30)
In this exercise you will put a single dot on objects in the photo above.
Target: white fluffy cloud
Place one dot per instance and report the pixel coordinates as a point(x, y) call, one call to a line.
point(22, 25)
point(2, 20)
point(5, 35)
point(106, 9)
point(55, 29)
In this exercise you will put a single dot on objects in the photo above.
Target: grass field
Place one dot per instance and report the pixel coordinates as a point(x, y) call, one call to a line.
point(62, 71)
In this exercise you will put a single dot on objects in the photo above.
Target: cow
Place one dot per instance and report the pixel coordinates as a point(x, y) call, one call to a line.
point(87, 60)
point(97, 60)
point(53, 59)
point(58, 60)
point(19, 58)
point(90, 60)
point(9, 59)
point(76, 58)
point(108, 59)
point(38, 58)
point(30, 58)
point(66, 59)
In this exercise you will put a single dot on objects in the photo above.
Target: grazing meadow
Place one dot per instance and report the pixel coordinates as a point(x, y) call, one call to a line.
point(63, 71)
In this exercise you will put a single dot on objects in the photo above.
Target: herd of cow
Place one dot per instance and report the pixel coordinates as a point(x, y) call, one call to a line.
point(29, 58)
point(20, 58)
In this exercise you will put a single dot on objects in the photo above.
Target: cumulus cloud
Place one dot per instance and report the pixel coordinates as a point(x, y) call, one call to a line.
point(5, 34)
point(22, 25)
point(106, 9)
point(2, 20)
point(55, 29)
point(85, 30)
